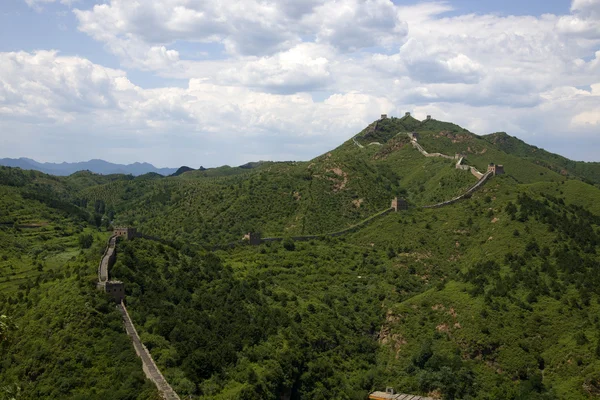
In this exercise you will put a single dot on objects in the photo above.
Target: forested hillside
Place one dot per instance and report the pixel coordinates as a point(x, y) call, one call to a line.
point(588, 171)
point(492, 297)
point(59, 337)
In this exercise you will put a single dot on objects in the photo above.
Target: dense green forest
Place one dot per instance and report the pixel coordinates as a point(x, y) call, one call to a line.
point(59, 337)
point(494, 297)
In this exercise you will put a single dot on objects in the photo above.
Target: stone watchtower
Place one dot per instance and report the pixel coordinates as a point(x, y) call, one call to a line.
point(127, 233)
point(383, 116)
point(399, 204)
point(407, 114)
point(496, 169)
point(253, 238)
point(429, 118)
point(115, 289)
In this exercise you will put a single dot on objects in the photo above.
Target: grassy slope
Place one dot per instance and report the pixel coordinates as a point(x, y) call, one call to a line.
point(412, 282)
point(500, 337)
point(512, 145)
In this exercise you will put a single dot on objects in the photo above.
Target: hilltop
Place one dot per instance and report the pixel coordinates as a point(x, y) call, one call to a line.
point(493, 296)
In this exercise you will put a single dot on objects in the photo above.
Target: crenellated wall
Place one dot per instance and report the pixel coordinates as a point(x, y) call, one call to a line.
point(116, 290)
point(255, 239)
point(148, 365)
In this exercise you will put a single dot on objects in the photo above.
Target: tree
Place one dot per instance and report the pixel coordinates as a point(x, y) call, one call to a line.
point(86, 240)
point(288, 244)
point(6, 326)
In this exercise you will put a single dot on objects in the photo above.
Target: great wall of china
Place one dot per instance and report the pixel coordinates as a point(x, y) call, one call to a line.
point(116, 290)
point(397, 204)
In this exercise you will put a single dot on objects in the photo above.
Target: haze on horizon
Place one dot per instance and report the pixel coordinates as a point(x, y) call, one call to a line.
point(184, 82)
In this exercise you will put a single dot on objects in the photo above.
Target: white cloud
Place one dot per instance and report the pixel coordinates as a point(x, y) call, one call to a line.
point(356, 24)
point(585, 20)
point(243, 27)
point(302, 68)
point(38, 4)
point(71, 95)
point(531, 76)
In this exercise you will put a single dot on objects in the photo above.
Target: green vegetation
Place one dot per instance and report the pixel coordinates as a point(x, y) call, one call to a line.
point(588, 171)
point(493, 297)
point(59, 337)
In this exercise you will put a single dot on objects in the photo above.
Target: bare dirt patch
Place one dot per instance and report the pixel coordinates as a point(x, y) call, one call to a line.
point(337, 184)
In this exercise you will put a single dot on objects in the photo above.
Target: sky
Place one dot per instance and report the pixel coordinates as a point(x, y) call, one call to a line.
point(195, 82)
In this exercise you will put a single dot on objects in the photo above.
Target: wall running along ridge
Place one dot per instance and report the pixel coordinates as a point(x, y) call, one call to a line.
point(482, 179)
point(107, 260)
point(116, 290)
point(149, 366)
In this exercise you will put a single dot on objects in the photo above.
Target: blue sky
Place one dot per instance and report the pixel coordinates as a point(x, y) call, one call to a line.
point(177, 82)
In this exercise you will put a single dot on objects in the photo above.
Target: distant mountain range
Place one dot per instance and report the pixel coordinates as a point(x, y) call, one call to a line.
point(97, 166)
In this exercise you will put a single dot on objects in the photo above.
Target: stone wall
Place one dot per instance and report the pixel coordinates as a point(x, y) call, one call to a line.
point(149, 366)
point(107, 260)
point(396, 204)
point(116, 290)
point(472, 189)
point(476, 173)
point(302, 238)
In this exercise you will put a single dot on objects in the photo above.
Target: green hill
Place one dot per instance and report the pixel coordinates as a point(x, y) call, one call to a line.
point(588, 171)
point(495, 296)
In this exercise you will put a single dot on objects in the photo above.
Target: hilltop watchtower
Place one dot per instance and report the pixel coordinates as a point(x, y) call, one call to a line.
point(407, 114)
point(429, 118)
point(383, 116)
point(126, 232)
point(496, 169)
point(399, 204)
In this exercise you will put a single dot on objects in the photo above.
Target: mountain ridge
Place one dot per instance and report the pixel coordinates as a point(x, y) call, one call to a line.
point(95, 165)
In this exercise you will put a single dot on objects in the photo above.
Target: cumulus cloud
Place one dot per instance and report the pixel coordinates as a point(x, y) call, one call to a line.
point(303, 68)
point(584, 21)
point(531, 76)
point(71, 95)
point(243, 27)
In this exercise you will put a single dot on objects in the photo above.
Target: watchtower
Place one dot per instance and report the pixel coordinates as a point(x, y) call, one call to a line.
point(383, 116)
point(496, 169)
point(115, 289)
point(429, 118)
point(399, 204)
point(407, 114)
point(253, 238)
point(127, 233)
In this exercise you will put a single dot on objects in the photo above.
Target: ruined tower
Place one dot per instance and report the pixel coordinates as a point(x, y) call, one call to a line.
point(253, 238)
point(496, 169)
point(127, 233)
point(399, 204)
